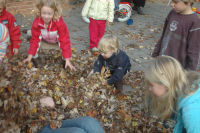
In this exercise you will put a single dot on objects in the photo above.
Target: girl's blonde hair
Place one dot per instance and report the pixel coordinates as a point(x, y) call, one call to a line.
point(167, 71)
point(53, 4)
point(3, 2)
point(109, 43)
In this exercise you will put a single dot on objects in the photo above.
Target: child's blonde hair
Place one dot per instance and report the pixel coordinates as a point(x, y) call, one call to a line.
point(109, 43)
point(167, 71)
point(53, 4)
point(3, 2)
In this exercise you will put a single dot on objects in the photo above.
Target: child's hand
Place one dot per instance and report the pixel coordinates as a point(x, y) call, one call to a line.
point(15, 50)
point(68, 63)
point(28, 59)
point(105, 82)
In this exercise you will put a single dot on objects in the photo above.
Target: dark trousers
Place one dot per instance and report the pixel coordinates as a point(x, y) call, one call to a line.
point(139, 3)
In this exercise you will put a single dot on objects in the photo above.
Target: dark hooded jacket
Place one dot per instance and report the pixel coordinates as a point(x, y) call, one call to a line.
point(118, 64)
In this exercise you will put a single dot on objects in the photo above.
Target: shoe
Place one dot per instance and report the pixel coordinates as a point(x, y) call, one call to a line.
point(115, 91)
point(95, 51)
point(118, 87)
point(138, 10)
point(37, 62)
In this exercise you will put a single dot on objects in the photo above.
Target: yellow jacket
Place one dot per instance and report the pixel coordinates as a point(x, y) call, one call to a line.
point(99, 9)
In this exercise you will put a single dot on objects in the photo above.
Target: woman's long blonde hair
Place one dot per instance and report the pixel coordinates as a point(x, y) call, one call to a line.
point(53, 4)
point(167, 71)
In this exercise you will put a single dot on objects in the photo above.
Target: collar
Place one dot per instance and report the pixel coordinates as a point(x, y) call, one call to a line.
point(41, 23)
point(189, 99)
point(113, 56)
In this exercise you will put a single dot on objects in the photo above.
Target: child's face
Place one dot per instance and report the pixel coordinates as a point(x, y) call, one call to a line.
point(47, 14)
point(180, 7)
point(106, 55)
point(157, 89)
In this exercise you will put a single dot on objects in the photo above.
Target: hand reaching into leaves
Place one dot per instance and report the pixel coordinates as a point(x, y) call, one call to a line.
point(68, 64)
point(16, 51)
point(28, 59)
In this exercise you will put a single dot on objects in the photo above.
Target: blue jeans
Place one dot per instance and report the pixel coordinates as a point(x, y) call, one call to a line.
point(77, 125)
point(117, 4)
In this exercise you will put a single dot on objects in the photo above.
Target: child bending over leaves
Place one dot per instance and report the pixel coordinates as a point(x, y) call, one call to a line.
point(112, 60)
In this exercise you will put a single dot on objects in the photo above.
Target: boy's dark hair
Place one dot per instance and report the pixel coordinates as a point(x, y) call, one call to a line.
point(191, 2)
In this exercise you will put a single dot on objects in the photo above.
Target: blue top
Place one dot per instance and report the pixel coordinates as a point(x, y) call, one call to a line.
point(76, 125)
point(189, 114)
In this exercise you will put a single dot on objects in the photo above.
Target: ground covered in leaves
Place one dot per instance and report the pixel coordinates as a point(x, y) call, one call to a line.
point(22, 86)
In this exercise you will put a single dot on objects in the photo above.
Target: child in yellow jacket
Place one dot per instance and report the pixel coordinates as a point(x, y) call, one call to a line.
point(100, 13)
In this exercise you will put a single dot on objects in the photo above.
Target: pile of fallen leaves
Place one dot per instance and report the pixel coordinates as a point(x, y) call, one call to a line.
point(74, 93)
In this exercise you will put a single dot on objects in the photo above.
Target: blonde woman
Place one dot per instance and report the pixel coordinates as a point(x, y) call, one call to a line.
point(50, 27)
point(171, 90)
point(113, 59)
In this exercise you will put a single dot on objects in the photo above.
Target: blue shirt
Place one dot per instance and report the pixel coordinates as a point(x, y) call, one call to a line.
point(189, 114)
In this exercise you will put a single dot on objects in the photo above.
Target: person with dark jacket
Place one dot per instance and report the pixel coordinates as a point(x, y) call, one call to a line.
point(112, 59)
point(180, 37)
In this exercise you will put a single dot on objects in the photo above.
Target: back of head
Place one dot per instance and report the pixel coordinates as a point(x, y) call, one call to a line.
point(166, 71)
point(109, 43)
point(53, 4)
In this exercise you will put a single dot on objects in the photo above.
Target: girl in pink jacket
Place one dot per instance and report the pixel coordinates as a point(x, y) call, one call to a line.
point(50, 27)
